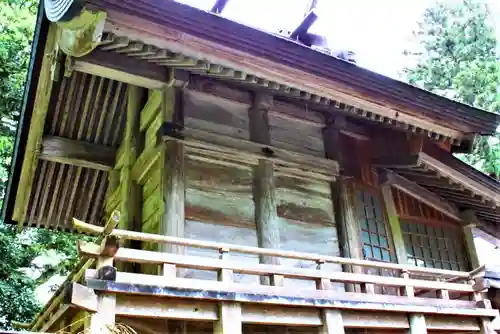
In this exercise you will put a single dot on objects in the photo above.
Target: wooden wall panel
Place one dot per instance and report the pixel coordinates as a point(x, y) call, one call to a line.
point(217, 115)
point(296, 135)
point(221, 233)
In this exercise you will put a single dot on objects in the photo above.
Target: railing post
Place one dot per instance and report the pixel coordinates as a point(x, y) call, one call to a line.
point(331, 319)
point(229, 321)
point(417, 324)
point(408, 291)
point(322, 283)
point(224, 275)
point(332, 322)
point(102, 321)
point(442, 294)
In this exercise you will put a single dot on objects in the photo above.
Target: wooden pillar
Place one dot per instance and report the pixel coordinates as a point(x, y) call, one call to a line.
point(48, 71)
point(395, 225)
point(102, 321)
point(130, 203)
point(417, 324)
point(332, 322)
point(266, 220)
point(470, 222)
point(172, 175)
point(230, 319)
point(343, 201)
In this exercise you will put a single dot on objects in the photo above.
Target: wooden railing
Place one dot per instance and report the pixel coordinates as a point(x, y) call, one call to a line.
point(444, 293)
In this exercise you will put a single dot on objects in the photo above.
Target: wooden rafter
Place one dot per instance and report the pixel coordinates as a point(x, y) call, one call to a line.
point(41, 105)
point(77, 153)
point(219, 6)
point(422, 194)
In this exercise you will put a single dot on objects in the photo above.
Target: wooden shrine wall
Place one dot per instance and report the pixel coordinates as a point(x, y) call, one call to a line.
point(219, 202)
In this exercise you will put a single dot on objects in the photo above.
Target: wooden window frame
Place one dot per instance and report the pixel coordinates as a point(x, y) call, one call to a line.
point(375, 192)
point(454, 262)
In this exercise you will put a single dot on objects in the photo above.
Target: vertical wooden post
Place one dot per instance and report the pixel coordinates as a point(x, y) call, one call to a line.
point(130, 192)
point(343, 200)
point(129, 207)
point(229, 312)
point(331, 319)
point(46, 79)
point(229, 321)
point(332, 322)
point(417, 324)
point(172, 178)
point(266, 220)
point(102, 320)
point(470, 220)
point(394, 223)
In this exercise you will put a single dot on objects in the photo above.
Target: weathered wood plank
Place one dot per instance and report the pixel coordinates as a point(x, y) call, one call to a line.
point(417, 324)
point(392, 215)
point(230, 320)
point(422, 194)
point(332, 322)
point(471, 221)
point(213, 290)
point(172, 182)
point(123, 234)
point(141, 256)
point(77, 153)
point(40, 108)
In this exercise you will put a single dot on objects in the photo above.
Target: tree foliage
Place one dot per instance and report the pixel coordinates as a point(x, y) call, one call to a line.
point(22, 268)
point(456, 56)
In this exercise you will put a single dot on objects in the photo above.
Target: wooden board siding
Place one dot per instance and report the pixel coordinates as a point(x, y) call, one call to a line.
point(219, 207)
point(85, 108)
point(292, 133)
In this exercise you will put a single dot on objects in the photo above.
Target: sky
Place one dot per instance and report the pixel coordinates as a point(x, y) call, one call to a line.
point(378, 31)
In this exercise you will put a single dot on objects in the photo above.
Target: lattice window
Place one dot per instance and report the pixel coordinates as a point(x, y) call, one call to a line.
point(434, 246)
point(374, 231)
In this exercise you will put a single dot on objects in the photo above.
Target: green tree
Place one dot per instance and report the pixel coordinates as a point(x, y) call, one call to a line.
point(455, 56)
point(20, 274)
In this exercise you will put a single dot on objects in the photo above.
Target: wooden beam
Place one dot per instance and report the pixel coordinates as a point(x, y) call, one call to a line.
point(420, 193)
point(77, 153)
point(444, 170)
point(394, 223)
point(218, 6)
point(230, 320)
point(306, 23)
point(193, 262)
point(37, 123)
point(471, 222)
point(402, 162)
point(163, 239)
point(250, 152)
point(264, 192)
point(332, 322)
point(172, 175)
point(213, 290)
point(343, 200)
point(417, 324)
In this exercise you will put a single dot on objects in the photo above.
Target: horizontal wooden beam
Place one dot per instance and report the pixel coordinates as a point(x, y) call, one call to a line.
point(420, 193)
point(213, 290)
point(147, 307)
point(77, 153)
point(290, 162)
point(397, 161)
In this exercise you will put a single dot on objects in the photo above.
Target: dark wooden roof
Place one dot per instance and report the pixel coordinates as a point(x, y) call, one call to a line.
point(451, 179)
point(292, 57)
